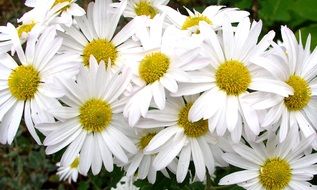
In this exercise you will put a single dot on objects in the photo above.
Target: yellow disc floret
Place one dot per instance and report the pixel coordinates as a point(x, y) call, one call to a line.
point(191, 129)
point(153, 66)
point(24, 82)
point(194, 21)
point(144, 7)
point(62, 1)
point(145, 140)
point(25, 28)
point(275, 174)
point(302, 94)
point(102, 50)
point(95, 115)
point(233, 77)
point(75, 163)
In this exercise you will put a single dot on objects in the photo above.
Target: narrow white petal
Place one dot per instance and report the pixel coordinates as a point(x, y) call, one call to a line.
point(238, 177)
point(183, 164)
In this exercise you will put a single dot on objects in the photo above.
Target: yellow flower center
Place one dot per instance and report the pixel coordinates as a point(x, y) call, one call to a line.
point(153, 66)
point(145, 140)
point(25, 28)
point(194, 21)
point(62, 1)
point(23, 82)
point(144, 7)
point(302, 94)
point(75, 163)
point(233, 77)
point(191, 129)
point(95, 115)
point(275, 174)
point(102, 50)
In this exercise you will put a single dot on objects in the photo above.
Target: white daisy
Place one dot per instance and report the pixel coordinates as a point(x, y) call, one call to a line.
point(226, 101)
point(169, 54)
point(148, 8)
point(69, 172)
point(273, 165)
point(12, 37)
point(182, 138)
point(141, 163)
point(296, 66)
point(64, 9)
point(28, 85)
point(32, 24)
point(96, 34)
point(215, 16)
point(92, 123)
point(9, 38)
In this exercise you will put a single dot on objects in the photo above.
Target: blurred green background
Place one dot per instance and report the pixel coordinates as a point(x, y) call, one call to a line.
point(23, 165)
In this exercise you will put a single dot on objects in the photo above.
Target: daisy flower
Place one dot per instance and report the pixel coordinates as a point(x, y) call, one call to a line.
point(70, 172)
point(141, 163)
point(148, 8)
point(95, 35)
point(32, 24)
point(28, 86)
point(161, 67)
point(212, 15)
point(225, 100)
point(297, 66)
point(182, 138)
point(272, 165)
point(12, 37)
point(64, 9)
point(92, 123)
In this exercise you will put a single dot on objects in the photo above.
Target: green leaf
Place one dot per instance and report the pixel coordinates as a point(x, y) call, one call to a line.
point(243, 4)
point(306, 9)
point(275, 10)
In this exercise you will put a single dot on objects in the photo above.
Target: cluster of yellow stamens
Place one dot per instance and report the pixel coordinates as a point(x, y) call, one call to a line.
point(24, 82)
point(275, 174)
point(25, 28)
point(75, 163)
point(192, 21)
point(233, 77)
point(144, 7)
point(62, 1)
point(102, 50)
point(145, 140)
point(191, 129)
point(95, 115)
point(302, 94)
point(153, 66)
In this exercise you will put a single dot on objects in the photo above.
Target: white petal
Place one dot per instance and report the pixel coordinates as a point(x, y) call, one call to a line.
point(237, 161)
point(73, 149)
point(238, 177)
point(87, 154)
point(161, 138)
point(114, 147)
point(15, 115)
point(183, 164)
point(106, 155)
point(198, 159)
point(166, 156)
point(144, 167)
point(135, 162)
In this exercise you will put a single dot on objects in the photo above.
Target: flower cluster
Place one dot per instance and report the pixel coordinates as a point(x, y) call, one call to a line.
point(161, 91)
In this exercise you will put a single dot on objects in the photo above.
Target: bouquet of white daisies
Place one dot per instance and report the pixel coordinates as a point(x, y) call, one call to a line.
point(161, 91)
